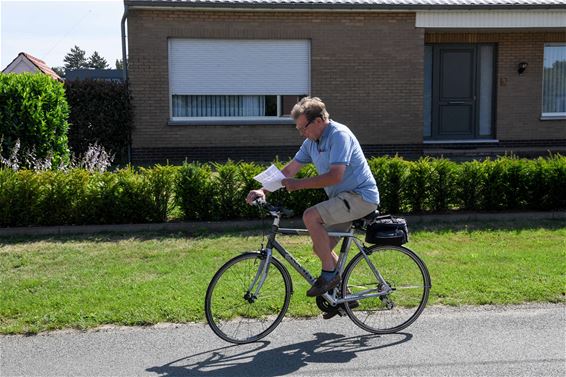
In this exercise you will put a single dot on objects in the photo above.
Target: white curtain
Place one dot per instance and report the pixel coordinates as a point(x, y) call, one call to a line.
point(218, 106)
point(554, 78)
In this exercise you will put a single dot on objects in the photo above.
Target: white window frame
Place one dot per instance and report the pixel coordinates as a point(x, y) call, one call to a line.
point(278, 119)
point(267, 117)
point(549, 116)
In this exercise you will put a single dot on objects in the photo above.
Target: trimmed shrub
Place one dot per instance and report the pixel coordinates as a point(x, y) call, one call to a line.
point(160, 181)
point(196, 192)
point(419, 183)
point(547, 184)
point(557, 178)
point(515, 181)
point(469, 182)
point(227, 192)
point(443, 184)
point(34, 110)
point(100, 113)
point(391, 174)
point(493, 185)
point(246, 172)
point(193, 191)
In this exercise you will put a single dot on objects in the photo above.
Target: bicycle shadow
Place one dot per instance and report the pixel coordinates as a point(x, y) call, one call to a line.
point(255, 360)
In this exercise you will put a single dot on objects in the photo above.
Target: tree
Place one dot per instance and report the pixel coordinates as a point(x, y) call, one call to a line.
point(75, 59)
point(59, 70)
point(97, 62)
point(119, 64)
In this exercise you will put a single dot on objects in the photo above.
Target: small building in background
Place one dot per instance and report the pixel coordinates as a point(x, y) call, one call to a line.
point(94, 74)
point(25, 62)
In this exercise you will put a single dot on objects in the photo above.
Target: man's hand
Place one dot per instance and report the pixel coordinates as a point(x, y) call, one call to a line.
point(291, 184)
point(254, 194)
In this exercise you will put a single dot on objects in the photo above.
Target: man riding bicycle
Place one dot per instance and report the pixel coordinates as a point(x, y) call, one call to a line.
point(344, 174)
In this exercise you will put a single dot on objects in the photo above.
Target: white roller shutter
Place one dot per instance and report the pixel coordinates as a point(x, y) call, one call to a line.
point(239, 67)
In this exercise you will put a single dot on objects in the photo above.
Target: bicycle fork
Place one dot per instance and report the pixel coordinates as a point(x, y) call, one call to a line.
point(260, 276)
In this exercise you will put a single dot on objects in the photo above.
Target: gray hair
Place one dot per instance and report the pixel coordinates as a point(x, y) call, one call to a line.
point(311, 107)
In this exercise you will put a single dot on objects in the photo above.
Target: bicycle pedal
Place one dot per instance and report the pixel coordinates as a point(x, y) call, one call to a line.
point(332, 313)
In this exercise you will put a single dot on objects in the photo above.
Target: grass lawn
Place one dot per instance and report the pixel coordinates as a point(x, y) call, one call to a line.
point(137, 279)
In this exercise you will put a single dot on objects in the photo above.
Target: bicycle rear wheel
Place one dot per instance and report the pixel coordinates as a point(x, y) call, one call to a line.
point(403, 271)
point(234, 312)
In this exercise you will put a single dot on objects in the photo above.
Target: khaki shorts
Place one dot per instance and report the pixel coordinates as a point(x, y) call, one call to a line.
point(338, 213)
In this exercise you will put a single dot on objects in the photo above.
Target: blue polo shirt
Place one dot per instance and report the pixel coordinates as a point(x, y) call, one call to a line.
point(338, 146)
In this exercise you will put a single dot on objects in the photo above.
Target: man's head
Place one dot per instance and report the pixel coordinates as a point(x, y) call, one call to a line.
point(310, 117)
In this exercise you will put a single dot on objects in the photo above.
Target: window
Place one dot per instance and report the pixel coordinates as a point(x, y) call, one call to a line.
point(191, 106)
point(237, 79)
point(554, 82)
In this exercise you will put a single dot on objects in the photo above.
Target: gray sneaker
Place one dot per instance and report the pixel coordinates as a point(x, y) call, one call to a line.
point(321, 286)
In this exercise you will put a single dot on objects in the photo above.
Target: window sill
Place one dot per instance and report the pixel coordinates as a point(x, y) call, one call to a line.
point(470, 141)
point(553, 117)
point(230, 122)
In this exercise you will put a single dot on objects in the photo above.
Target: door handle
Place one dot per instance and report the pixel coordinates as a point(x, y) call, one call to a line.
point(456, 102)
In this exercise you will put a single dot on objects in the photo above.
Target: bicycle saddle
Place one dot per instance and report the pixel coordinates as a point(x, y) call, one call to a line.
point(367, 219)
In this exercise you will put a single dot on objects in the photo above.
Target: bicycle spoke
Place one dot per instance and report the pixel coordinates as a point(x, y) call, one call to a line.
point(238, 319)
point(397, 308)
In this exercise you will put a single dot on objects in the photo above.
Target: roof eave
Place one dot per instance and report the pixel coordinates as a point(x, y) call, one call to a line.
point(314, 7)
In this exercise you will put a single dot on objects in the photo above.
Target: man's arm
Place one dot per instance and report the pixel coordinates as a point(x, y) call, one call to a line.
point(289, 170)
point(292, 168)
point(333, 177)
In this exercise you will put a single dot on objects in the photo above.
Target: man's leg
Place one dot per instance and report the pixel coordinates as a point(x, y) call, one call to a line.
point(322, 243)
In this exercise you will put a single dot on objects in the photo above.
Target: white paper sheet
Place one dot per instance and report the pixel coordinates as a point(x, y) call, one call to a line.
point(270, 178)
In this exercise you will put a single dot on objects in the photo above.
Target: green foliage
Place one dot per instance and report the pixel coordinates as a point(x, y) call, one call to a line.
point(391, 175)
point(101, 112)
point(493, 185)
point(443, 184)
point(34, 110)
point(193, 194)
point(419, 184)
point(75, 59)
point(160, 181)
point(469, 183)
point(247, 171)
point(547, 184)
point(227, 192)
point(198, 191)
point(97, 62)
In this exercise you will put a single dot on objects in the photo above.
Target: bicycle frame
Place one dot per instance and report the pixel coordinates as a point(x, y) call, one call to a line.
point(347, 239)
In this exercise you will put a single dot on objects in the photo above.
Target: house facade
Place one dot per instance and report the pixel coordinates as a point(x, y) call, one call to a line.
point(212, 80)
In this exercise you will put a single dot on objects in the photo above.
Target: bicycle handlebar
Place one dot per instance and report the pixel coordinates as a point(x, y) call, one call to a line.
point(274, 210)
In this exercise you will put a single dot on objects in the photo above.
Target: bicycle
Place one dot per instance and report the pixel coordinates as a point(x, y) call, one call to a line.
point(384, 288)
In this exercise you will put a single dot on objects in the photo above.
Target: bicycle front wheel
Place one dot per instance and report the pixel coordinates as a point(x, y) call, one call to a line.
point(408, 278)
point(235, 310)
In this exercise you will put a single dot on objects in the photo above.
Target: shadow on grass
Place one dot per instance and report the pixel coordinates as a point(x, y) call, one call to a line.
point(258, 360)
point(439, 227)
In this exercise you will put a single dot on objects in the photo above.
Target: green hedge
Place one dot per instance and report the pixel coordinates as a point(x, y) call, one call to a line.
point(196, 191)
point(101, 113)
point(34, 110)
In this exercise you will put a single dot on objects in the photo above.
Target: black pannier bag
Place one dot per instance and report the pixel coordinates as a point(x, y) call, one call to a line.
point(388, 230)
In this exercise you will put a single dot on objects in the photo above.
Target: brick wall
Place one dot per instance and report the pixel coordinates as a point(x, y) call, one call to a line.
point(519, 97)
point(367, 67)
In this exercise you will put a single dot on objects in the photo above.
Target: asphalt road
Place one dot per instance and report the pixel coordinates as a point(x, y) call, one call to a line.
point(526, 340)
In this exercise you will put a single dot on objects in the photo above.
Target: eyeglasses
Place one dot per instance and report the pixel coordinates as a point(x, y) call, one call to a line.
point(301, 129)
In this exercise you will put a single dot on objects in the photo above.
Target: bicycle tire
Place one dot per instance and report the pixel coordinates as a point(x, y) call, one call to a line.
point(395, 263)
point(226, 307)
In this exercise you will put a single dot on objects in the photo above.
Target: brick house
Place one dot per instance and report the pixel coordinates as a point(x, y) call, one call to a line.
point(215, 79)
point(25, 62)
